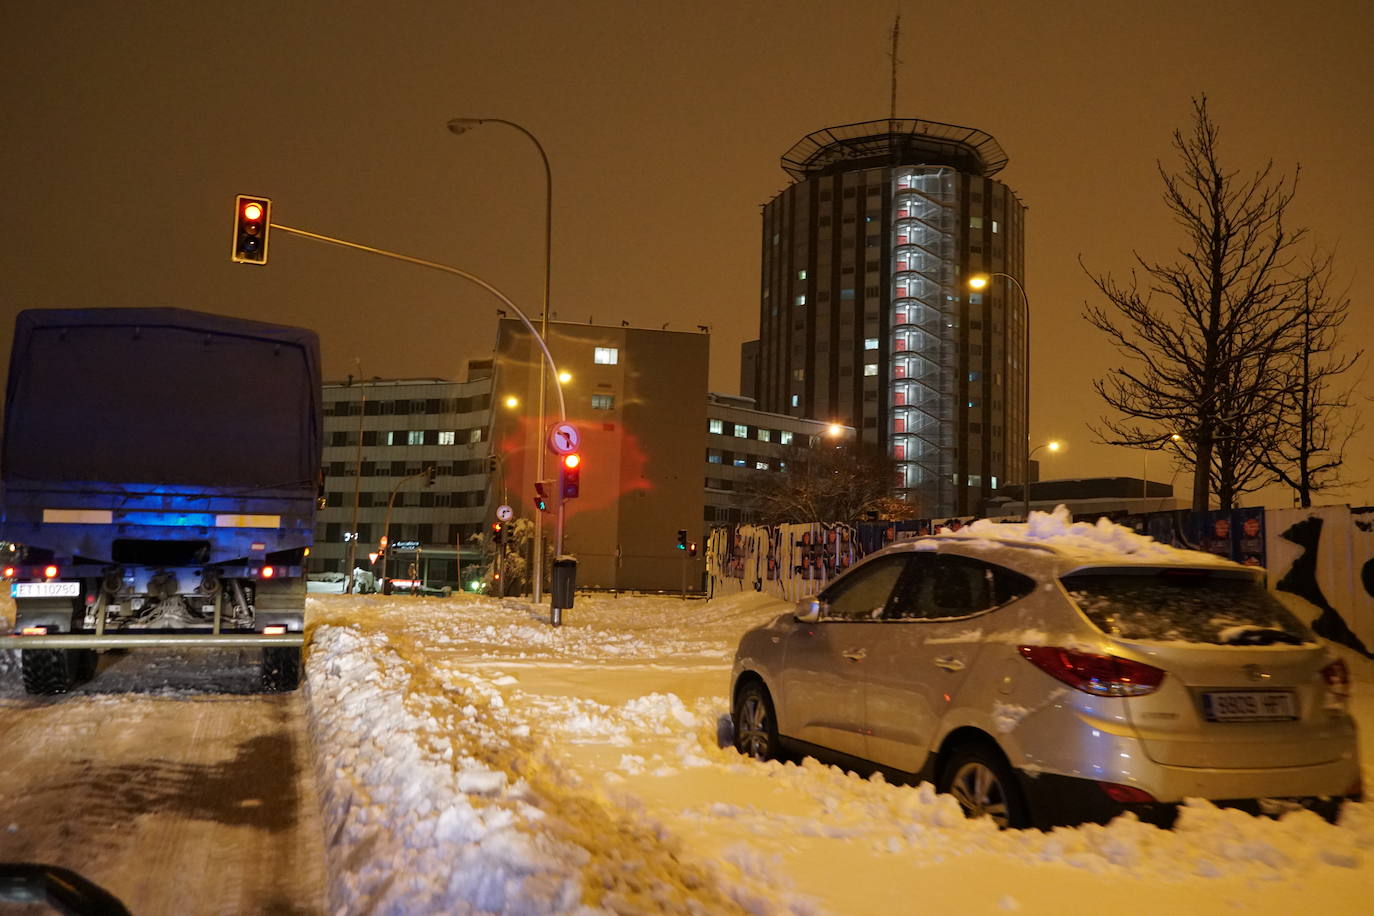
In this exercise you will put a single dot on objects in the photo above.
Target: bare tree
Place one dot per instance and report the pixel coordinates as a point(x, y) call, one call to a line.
point(1202, 366)
point(824, 484)
point(1316, 416)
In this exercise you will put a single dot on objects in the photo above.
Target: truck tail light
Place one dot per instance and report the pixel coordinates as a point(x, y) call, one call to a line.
point(1099, 675)
point(9, 572)
point(34, 631)
point(50, 572)
point(275, 629)
point(267, 572)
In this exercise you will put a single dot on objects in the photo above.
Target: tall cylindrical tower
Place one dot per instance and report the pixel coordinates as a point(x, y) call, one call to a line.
point(865, 313)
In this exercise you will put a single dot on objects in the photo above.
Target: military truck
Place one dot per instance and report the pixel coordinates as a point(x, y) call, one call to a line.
point(161, 472)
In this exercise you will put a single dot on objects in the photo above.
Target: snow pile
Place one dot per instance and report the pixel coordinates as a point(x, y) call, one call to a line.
point(1087, 542)
point(441, 795)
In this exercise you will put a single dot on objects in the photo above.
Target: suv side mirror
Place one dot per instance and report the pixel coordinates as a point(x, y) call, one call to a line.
point(808, 610)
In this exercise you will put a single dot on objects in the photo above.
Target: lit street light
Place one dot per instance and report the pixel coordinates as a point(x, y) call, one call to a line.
point(461, 126)
point(980, 281)
point(1053, 445)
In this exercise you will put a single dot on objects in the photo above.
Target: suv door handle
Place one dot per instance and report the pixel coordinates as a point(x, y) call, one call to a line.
point(949, 663)
point(855, 655)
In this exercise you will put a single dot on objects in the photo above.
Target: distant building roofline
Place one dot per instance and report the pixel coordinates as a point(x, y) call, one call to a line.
point(894, 141)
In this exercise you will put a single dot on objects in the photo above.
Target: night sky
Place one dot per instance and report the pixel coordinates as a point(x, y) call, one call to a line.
point(129, 128)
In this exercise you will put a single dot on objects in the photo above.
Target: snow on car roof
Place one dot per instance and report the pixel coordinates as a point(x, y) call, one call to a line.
point(1080, 543)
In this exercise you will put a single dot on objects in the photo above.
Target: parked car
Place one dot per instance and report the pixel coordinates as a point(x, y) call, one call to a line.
point(1042, 683)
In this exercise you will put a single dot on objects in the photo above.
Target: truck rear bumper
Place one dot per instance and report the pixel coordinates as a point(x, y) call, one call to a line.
point(153, 641)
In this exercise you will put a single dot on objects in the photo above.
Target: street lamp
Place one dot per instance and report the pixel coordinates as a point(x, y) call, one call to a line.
point(357, 482)
point(1173, 439)
point(461, 126)
point(1053, 445)
point(980, 281)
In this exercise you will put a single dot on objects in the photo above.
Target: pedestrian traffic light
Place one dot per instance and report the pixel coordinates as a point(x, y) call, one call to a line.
point(569, 475)
point(431, 474)
point(252, 216)
point(682, 539)
point(541, 495)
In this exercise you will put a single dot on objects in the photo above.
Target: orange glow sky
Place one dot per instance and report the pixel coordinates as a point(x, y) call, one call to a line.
point(131, 126)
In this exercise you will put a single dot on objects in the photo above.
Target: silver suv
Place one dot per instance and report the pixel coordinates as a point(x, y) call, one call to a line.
point(1043, 684)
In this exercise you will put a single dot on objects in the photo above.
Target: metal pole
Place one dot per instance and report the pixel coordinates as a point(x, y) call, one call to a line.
point(458, 125)
point(1025, 381)
point(357, 483)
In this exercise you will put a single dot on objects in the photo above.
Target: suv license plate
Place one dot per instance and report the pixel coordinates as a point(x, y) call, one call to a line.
point(45, 589)
point(1249, 705)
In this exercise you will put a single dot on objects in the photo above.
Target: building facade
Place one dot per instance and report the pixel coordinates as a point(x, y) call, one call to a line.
point(392, 431)
point(865, 315)
point(743, 443)
point(638, 398)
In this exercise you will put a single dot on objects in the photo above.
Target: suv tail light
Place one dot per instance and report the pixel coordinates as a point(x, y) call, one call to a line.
point(1337, 678)
point(1126, 795)
point(1099, 675)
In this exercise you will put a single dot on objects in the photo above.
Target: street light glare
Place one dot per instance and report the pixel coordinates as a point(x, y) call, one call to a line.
point(1055, 445)
point(564, 377)
point(835, 429)
point(512, 401)
point(978, 281)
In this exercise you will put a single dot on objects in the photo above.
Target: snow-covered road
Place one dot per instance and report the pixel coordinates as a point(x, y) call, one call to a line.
point(167, 781)
point(471, 758)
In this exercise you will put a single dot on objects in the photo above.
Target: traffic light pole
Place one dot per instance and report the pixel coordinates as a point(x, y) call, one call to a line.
point(386, 519)
point(473, 278)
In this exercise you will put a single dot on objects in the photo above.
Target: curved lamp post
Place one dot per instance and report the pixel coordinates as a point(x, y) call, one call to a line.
point(461, 126)
point(1053, 445)
point(980, 281)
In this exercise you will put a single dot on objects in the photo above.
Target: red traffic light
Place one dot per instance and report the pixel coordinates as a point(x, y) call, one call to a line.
point(252, 219)
point(572, 461)
point(252, 211)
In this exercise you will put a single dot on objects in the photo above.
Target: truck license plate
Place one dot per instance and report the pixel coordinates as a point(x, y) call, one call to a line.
point(45, 589)
point(1249, 705)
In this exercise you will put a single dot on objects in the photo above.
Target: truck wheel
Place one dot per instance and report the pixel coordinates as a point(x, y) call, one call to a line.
point(83, 664)
point(281, 668)
point(46, 671)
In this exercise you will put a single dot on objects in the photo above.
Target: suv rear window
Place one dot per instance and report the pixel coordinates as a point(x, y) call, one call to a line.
point(1171, 605)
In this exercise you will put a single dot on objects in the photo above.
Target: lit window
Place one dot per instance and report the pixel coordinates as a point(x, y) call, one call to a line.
point(846, 294)
point(741, 463)
point(474, 435)
point(716, 426)
point(796, 400)
point(713, 456)
point(871, 369)
point(765, 435)
point(801, 300)
point(447, 436)
point(606, 356)
point(870, 343)
point(390, 438)
point(415, 437)
point(798, 375)
point(785, 436)
point(760, 465)
point(603, 401)
point(994, 483)
point(975, 222)
point(741, 430)
point(801, 274)
point(994, 231)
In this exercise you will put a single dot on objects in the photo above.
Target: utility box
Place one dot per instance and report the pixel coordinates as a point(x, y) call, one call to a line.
point(564, 582)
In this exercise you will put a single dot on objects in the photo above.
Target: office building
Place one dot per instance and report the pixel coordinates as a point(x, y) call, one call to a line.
point(865, 315)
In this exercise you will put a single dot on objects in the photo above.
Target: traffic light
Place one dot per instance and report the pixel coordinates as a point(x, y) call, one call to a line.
point(692, 549)
point(682, 539)
point(569, 475)
point(252, 216)
point(498, 533)
point(431, 473)
point(541, 495)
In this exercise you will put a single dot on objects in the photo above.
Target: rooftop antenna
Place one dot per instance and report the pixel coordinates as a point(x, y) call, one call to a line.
point(896, 32)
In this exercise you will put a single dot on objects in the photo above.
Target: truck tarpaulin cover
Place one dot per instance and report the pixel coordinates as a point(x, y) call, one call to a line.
point(164, 396)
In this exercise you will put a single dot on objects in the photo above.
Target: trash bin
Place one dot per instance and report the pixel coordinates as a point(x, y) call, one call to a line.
point(564, 582)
